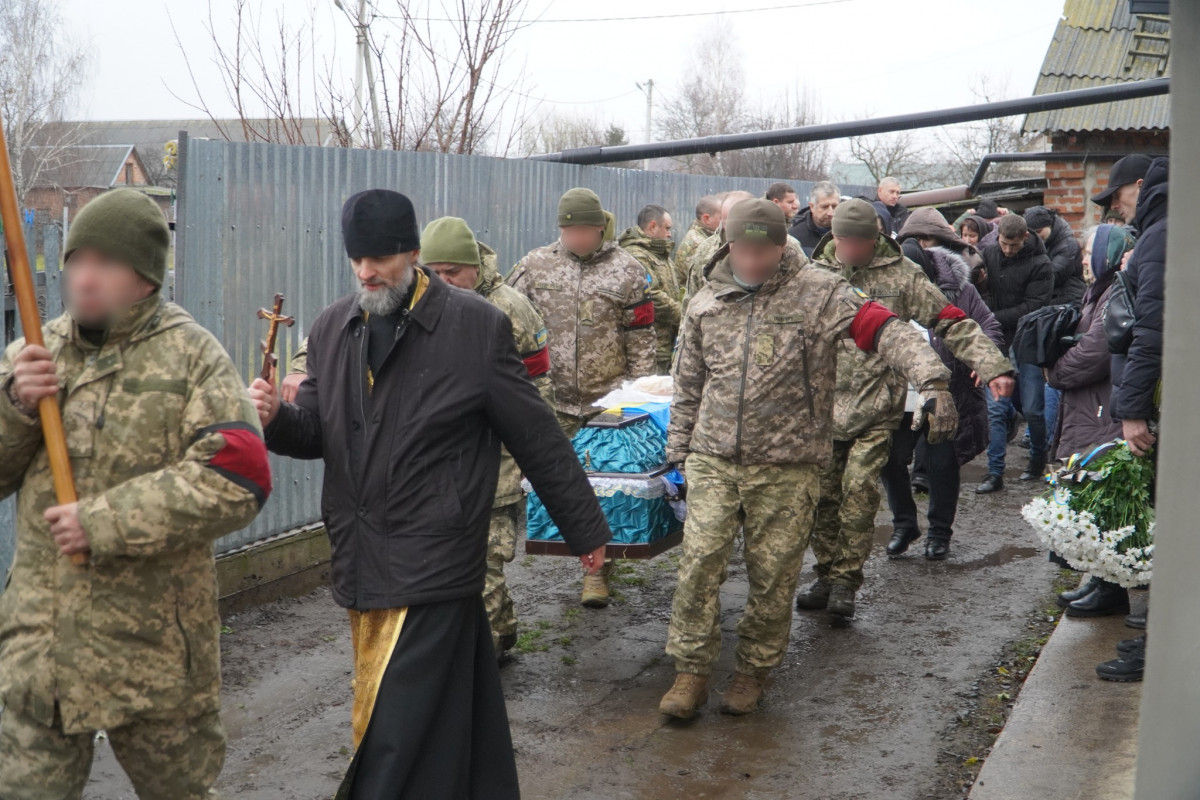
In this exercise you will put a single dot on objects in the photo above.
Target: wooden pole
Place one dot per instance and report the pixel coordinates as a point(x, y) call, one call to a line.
point(21, 273)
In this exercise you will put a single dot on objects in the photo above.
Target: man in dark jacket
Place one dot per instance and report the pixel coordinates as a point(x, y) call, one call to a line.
point(947, 270)
point(1017, 279)
point(412, 387)
point(814, 222)
point(1137, 373)
point(1064, 253)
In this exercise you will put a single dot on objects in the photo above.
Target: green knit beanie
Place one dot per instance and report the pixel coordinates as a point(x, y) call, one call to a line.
point(128, 226)
point(856, 218)
point(448, 240)
point(580, 207)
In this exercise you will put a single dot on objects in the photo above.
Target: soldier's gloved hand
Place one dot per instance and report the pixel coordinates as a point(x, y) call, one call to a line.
point(937, 407)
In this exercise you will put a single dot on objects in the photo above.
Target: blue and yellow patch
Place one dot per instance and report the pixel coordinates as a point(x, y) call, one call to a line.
point(541, 337)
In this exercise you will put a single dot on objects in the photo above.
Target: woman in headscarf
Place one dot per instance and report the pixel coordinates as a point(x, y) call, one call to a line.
point(1082, 374)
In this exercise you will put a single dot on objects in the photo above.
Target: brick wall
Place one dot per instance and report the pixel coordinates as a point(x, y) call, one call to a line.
point(1073, 180)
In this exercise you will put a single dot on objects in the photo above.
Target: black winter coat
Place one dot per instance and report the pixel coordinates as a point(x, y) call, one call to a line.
point(411, 467)
point(1067, 261)
point(806, 232)
point(1015, 286)
point(1135, 375)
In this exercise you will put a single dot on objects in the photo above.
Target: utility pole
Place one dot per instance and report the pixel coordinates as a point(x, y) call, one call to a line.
point(362, 67)
point(648, 90)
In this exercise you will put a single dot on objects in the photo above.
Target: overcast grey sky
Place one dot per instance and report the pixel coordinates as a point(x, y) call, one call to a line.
point(857, 57)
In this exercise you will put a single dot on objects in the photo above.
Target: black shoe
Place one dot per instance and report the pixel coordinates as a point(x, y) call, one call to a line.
point(901, 539)
point(992, 483)
point(507, 642)
point(1127, 646)
point(1024, 443)
point(920, 485)
point(1137, 621)
point(1035, 471)
point(936, 549)
point(1126, 669)
point(1083, 590)
point(1108, 599)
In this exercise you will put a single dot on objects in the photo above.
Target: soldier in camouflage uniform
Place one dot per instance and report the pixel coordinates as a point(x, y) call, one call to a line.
point(449, 248)
point(708, 219)
point(751, 425)
point(650, 243)
point(870, 397)
point(707, 250)
point(167, 455)
point(592, 295)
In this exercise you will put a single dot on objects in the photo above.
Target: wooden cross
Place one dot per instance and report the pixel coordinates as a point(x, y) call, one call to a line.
point(275, 317)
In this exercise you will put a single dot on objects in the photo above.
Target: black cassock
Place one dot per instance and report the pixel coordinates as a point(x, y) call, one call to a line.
point(439, 728)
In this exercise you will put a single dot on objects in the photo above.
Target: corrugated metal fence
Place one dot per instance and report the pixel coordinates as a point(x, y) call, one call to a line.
point(255, 219)
point(50, 305)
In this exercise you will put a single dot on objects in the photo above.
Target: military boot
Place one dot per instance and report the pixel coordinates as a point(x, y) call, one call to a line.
point(595, 589)
point(841, 602)
point(687, 696)
point(743, 695)
point(815, 597)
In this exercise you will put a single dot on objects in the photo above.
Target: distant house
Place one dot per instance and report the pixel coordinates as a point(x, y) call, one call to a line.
point(1100, 42)
point(73, 175)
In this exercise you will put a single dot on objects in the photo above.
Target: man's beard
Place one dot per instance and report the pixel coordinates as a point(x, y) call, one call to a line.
point(384, 302)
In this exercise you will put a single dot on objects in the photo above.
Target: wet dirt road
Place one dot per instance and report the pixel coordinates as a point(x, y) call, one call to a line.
point(858, 712)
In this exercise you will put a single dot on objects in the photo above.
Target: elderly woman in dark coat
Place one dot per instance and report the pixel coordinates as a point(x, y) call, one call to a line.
point(950, 273)
point(1082, 373)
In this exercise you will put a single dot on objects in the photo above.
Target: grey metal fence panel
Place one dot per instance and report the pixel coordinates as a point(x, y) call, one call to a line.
point(255, 219)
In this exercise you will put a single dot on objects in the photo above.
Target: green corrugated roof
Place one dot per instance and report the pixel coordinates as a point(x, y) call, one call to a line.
point(1091, 48)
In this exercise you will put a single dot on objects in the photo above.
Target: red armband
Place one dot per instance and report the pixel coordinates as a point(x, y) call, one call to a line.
point(643, 314)
point(952, 313)
point(538, 363)
point(242, 459)
point(868, 323)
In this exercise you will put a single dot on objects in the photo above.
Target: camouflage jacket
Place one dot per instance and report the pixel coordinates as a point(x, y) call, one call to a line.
point(600, 319)
point(755, 372)
point(168, 455)
point(529, 332)
point(871, 394)
point(655, 256)
point(694, 237)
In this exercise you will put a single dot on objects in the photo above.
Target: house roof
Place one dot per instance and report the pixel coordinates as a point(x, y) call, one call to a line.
point(1094, 45)
point(150, 136)
point(82, 166)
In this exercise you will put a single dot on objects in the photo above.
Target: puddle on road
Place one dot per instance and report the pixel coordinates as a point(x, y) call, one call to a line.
point(999, 558)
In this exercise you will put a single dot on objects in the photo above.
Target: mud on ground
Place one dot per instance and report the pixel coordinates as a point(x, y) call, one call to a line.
point(903, 704)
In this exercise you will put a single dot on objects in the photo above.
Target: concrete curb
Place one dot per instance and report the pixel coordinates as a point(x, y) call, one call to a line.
point(1070, 734)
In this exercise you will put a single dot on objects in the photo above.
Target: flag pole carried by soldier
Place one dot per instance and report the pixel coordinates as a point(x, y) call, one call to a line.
point(593, 297)
point(412, 386)
point(168, 456)
point(449, 249)
point(871, 394)
point(751, 426)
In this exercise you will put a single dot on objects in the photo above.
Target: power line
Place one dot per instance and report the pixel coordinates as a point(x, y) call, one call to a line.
point(536, 21)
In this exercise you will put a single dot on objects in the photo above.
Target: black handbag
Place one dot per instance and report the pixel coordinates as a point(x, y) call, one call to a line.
point(1119, 315)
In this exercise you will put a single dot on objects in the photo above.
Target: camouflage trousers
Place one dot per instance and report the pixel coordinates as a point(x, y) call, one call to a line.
point(502, 549)
point(165, 759)
point(849, 502)
point(774, 507)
